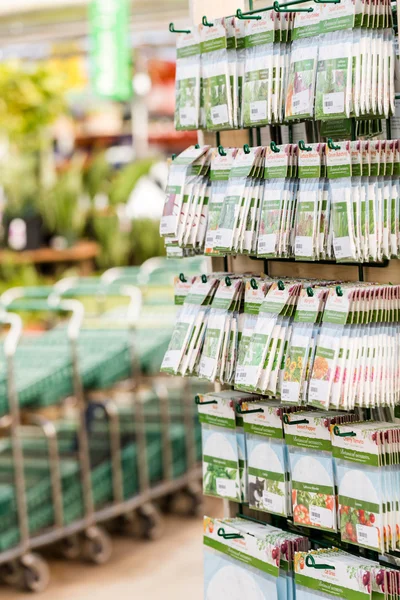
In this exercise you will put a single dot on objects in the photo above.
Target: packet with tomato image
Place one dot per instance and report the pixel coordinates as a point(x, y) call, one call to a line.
point(332, 573)
point(240, 564)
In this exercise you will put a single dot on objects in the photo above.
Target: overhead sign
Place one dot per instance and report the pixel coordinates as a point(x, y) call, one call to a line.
point(110, 51)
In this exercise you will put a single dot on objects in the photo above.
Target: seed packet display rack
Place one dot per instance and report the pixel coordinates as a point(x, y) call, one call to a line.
point(383, 272)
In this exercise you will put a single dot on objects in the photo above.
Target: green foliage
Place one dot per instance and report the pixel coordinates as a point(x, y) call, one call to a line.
point(126, 179)
point(145, 240)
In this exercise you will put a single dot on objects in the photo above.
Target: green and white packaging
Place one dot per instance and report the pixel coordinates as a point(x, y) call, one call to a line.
point(257, 98)
point(218, 110)
point(187, 79)
point(220, 170)
point(334, 76)
point(190, 162)
point(301, 80)
point(188, 333)
point(268, 487)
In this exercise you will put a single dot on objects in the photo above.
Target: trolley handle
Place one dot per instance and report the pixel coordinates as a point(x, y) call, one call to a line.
point(14, 334)
point(43, 299)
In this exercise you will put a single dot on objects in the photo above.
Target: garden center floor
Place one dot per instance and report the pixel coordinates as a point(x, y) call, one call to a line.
point(168, 569)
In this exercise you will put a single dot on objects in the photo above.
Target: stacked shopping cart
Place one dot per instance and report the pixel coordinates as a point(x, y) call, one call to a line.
point(90, 434)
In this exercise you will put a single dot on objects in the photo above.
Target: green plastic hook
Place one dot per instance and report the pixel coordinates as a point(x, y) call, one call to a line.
point(337, 432)
point(206, 23)
point(197, 146)
point(253, 283)
point(228, 281)
point(246, 149)
point(339, 290)
point(281, 285)
point(244, 16)
point(221, 150)
point(198, 401)
point(182, 278)
point(274, 147)
point(331, 145)
point(204, 278)
point(310, 292)
point(229, 536)
point(303, 147)
point(173, 156)
point(278, 8)
point(247, 412)
point(295, 422)
point(173, 30)
point(310, 562)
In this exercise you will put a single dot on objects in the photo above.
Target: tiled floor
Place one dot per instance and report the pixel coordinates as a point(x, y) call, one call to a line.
point(168, 569)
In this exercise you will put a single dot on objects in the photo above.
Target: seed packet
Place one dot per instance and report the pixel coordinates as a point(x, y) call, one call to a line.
point(342, 220)
point(301, 80)
point(267, 458)
point(189, 324)
point(187, 80)
point(306, 226)
point(218, 110)
point(188, 163)
point(220, 450)
point(245, 559)
point(258, 76)
point(218, 331)
point(239, 182)
point(219, 176)
point(334, 80)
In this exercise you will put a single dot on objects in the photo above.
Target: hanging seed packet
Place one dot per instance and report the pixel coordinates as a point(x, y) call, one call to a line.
point(307, 24)
point(218, 109)
point(220, 450)
point(242, 563)
point(187, 80)
point(334, 76)
point(220, 170)
point(190, 323)
point(258, 76)
point(241, 170)
point(267, 458)
point(180, 169)
point(301, 80)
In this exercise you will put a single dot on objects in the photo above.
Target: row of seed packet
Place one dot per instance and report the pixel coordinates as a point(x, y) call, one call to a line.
point(265, 69)
point(187, 338)
point(333, 573)
point(224, 449)
point(342, 74)
point(187, 182)
point(312, 467)
point(249, 560)
point(218, 354)
point(348, 14)
point(242, 187)
point(368, 474)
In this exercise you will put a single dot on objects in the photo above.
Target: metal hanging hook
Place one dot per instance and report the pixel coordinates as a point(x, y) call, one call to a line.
point(337, 432)
point(221, 150)
point(244, 16)
point(173, 30)
point(246, 149)
point(228, 281)
point(182, 278)
point(274, 147)
point(206, 23)
point(281, 285)
point(339, 290)
point(332, 146)
point(249, 411)
point(310, 292)
point(282, 8)
point(204, 278)
point(229, 536)
point(303, 147)
point(310, 562)
point(253, 283)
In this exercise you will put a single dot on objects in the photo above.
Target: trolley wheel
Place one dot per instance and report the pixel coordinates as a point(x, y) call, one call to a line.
point(151, 522)
point(36, 574)
point(70, 547)
point(97, 546)
point(187, 502)
point(11, 573)
point(130, 524)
